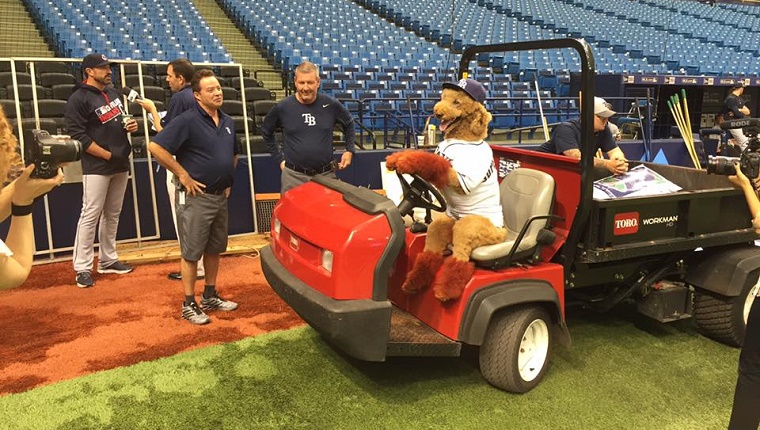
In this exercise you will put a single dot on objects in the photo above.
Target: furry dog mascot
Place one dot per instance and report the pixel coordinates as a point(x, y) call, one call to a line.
point(463, 169)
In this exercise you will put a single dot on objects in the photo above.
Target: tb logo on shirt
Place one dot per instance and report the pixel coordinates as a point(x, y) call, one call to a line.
point(309, 119)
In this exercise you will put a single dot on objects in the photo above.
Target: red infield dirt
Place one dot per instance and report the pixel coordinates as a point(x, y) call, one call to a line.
point(54, 330)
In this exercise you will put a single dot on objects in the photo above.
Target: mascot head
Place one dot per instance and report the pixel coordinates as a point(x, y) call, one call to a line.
point(461, 111)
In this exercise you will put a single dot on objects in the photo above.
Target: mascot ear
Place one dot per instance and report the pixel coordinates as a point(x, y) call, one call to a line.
point(479, 126)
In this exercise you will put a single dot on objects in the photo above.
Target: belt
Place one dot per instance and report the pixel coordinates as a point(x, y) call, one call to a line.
point(214, 192)
point(309, 171)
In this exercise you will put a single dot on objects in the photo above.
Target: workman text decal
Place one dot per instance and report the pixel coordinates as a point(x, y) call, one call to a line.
point(629, 222)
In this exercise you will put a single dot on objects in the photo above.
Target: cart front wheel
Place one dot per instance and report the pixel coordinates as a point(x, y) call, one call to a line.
point(516, 350)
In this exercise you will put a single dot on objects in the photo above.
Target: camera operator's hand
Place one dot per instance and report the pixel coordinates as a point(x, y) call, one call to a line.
point(27, 189)
point(741, 180)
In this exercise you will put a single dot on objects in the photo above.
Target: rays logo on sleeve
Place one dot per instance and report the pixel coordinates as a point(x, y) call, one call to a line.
point(110, 111)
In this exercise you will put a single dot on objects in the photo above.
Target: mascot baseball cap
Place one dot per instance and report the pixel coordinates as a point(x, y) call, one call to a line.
point(472, 87)
point(602, 108)
point(94, 60)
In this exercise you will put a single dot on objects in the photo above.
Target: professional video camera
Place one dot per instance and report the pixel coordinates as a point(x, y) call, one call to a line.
point(48, 152)
point(749, 160)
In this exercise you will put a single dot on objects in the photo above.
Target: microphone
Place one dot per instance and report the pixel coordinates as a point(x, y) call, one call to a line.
point(740, 123)
point(131, 94)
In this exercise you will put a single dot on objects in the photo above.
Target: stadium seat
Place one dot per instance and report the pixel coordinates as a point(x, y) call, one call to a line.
point(260, 110)
point(55, 78)
point(50, 67)
point(26, 93)
point(62, 91)
point(258, 93)
point(6, 78)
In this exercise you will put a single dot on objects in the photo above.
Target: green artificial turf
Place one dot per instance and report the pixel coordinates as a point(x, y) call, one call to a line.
point(623, 372)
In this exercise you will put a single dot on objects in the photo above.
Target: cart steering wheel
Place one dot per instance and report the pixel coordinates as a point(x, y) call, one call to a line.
point(417, 194)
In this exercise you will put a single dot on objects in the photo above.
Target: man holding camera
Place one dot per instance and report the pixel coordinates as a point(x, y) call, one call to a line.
point(734, 108)
point(744, 413)
point(95, 117)
point(16, 201)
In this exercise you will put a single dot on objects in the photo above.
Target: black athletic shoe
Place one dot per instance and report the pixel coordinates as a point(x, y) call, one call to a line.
point(84, 280)
point(116, 267)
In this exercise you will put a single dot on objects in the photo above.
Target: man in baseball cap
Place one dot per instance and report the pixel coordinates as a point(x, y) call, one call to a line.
point(566, 139)
point(95, 60)
point(602, 108)
point(472, 87)
point(95, 117)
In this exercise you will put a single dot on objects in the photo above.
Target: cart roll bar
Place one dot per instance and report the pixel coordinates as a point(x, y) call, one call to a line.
point(588, 68)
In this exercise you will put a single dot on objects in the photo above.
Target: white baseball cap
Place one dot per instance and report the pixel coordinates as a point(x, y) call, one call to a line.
point(602, 108)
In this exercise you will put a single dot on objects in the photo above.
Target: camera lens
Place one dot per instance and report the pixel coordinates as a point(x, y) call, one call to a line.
point(718, 165)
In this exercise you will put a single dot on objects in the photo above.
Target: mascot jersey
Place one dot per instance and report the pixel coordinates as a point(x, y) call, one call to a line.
point(473, 163)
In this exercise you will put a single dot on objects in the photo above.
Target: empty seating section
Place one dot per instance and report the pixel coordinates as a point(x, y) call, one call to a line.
point(128, 29)
point(55, 83)
point(387, 59)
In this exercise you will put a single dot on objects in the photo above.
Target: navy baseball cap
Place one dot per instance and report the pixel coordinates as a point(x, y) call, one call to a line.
point(95, 60)
point(472, 87)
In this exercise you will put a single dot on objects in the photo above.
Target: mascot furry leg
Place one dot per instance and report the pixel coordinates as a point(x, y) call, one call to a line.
point(467, 234)
point(430, 260)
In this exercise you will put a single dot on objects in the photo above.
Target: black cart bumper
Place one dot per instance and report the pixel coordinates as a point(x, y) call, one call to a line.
point(360, 328)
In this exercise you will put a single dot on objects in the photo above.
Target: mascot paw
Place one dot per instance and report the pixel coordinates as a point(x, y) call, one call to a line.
point(422, 274)
point(391, 161)
point(428, 166)
point(450, 283)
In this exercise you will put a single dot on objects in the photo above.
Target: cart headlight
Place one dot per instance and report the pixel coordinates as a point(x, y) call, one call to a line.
point(277, 226)
point(327, 260)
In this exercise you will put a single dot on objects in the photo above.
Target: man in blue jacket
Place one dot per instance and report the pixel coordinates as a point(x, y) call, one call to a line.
point(95, 117)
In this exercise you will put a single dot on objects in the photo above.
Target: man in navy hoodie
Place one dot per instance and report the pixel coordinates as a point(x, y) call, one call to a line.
point(95, 117)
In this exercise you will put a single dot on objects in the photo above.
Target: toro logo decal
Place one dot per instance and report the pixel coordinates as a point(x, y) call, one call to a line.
point(626, 223)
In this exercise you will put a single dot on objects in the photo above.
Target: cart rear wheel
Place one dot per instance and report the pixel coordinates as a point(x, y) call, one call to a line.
point(516, 350)
point(724, 318)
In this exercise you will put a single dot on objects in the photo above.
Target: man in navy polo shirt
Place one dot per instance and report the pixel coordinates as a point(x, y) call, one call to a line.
point(179, 73)
point(307, 120)
point(203, 142)
point(566, 139)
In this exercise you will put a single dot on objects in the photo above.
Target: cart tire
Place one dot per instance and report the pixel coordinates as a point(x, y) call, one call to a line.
point(723, 318)
point(515, 352)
